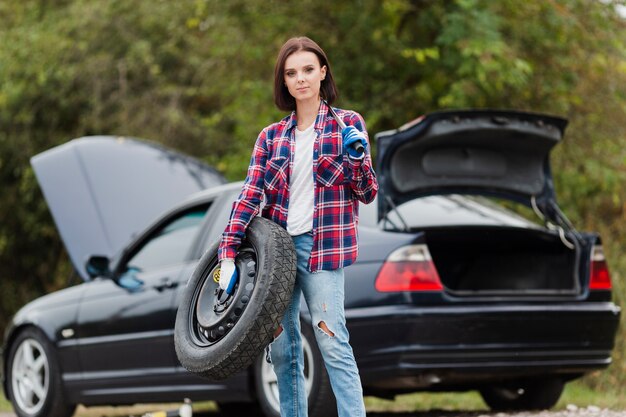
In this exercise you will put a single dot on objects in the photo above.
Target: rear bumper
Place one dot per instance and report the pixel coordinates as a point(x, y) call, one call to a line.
point(406, 347)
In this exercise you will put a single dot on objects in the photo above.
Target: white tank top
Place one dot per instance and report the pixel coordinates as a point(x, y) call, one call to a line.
point(301, 186)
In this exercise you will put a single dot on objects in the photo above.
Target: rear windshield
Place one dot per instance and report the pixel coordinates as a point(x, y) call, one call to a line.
point(455, 210)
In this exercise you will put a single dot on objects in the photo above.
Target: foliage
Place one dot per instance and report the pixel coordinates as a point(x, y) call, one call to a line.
point(196, 75)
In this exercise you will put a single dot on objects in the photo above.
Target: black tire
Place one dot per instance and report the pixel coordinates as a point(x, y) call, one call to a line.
point(321, 400)
point(34, 380)
point(539, 394)
point(218, 342)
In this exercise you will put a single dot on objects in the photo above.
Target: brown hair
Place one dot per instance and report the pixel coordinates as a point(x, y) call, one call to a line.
point(283, 99)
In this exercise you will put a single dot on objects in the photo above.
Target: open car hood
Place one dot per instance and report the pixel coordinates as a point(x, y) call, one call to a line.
point(102, 190)
point(480, 152)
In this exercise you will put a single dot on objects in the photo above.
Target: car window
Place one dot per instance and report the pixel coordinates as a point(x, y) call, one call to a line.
point(220, 219)
point(171, 244)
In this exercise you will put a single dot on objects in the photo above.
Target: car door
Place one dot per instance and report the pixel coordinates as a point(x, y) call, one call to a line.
point(125, 327)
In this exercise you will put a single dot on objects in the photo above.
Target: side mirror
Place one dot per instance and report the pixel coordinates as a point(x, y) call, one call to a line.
point(98, 266)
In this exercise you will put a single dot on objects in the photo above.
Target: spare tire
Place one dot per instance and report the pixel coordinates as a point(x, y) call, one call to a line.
point(216, 338)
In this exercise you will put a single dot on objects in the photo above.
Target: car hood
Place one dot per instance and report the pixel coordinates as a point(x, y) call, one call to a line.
point(102, 190)
point(484, 152)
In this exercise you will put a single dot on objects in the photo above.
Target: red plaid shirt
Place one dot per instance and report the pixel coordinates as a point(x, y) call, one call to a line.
point(340, 182)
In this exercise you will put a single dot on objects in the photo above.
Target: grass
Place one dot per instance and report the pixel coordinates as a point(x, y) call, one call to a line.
point(4, 404)
point(465, 401)
point(138, 410)
point(577, 393)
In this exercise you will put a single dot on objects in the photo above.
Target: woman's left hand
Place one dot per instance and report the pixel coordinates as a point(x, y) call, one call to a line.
point(351, 135)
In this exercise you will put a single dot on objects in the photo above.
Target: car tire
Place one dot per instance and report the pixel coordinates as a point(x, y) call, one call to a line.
point(34, 380)
point(321, 400)
point(524, 395)
point(216, 343)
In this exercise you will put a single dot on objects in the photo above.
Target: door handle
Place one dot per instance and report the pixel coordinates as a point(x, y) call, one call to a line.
point(165, 284)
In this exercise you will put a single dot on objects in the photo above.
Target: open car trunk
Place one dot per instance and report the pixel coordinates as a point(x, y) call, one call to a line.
point(485, 261)
point(490, 153)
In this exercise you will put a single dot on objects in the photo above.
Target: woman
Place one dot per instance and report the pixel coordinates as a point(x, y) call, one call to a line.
point(312, 179)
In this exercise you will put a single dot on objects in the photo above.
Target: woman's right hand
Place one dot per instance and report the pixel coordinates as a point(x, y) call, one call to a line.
point(228, 275)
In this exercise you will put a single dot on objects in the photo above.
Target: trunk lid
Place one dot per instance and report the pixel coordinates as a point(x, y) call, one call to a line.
point(102, 190)
point(482, 152)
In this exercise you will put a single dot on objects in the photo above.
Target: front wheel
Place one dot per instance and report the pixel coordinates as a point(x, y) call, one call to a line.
point(34, 379)
point(540, 394)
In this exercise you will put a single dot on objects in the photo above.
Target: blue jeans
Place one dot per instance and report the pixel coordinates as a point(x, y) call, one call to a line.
point(324, 294)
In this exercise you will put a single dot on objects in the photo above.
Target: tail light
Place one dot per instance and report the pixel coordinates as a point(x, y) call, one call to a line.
point(600, 278)
point(409, 268)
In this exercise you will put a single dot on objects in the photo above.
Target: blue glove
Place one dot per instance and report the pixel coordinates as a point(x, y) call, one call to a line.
point(228, 275)
point(350, 135)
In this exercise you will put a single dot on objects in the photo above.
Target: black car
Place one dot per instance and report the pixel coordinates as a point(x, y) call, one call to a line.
point(453, 290)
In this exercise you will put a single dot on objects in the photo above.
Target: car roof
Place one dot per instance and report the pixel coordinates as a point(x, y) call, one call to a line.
point(209, 194)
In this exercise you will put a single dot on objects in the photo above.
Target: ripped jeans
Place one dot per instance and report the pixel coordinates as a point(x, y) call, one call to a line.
point(324, 294)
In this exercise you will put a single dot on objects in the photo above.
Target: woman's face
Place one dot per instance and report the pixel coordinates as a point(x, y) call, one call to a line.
point(303, 75)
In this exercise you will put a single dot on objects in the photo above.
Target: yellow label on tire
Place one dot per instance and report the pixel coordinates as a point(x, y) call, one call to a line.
point(216, 275)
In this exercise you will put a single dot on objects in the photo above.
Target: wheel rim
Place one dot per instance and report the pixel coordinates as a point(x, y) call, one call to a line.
point(269, 381)
point(210, 321)
point(30, 376)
